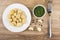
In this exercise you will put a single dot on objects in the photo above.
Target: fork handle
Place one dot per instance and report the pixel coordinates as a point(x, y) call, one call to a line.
point(49, 27)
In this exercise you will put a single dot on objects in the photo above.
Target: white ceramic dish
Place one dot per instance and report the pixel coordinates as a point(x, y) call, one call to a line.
point(6, 22)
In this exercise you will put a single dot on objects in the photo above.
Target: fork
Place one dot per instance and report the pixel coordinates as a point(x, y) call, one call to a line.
point(49, 19)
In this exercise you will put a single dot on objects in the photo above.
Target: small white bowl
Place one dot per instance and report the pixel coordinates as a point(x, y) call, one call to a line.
point(44, 9)
point(6, 22)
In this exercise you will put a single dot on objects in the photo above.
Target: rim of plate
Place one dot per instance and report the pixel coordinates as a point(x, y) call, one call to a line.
point(6, 22)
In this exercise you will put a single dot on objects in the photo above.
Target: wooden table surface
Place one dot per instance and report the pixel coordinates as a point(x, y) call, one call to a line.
point(32, 35)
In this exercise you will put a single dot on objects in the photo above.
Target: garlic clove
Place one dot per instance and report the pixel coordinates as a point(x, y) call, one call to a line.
point(40, 21)
point(30, 28)
point(38, 29)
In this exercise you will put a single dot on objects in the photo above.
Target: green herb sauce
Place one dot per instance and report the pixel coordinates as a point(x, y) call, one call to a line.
point(39, 11)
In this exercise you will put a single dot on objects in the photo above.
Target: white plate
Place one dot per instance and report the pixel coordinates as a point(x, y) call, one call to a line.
point(6, 22)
